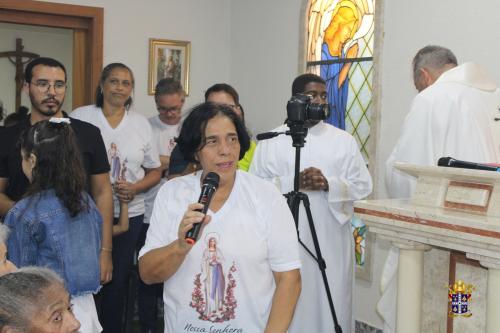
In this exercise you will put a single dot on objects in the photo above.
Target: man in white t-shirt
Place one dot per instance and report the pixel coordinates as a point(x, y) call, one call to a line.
point(169, 98)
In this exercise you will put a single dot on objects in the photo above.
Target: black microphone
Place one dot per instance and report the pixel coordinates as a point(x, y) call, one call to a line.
point(210, 184)
point(453, 163)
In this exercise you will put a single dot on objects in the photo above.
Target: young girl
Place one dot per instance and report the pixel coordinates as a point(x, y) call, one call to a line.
point(56, 224)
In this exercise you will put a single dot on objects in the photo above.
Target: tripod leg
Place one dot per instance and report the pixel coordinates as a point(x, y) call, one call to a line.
point(293, 199)
point(293, 204)
point(319, 258)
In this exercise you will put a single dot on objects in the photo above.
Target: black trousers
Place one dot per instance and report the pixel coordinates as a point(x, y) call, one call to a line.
point(112, 295)
point(147, 295)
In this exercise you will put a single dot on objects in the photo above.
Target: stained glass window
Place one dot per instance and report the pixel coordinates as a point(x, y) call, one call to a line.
point(340, 49)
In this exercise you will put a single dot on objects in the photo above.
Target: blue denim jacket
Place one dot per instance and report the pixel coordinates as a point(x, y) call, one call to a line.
point(44, 234)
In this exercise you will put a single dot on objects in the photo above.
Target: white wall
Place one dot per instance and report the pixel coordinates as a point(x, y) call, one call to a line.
point(128, 25)
point(264, 58)
point(252, 45)
point(48, 42)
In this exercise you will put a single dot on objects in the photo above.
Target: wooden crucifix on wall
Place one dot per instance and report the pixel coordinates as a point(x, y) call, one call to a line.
point(19, 58)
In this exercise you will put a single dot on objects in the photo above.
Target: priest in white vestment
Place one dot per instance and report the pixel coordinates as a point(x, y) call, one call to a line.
point(333, 175)
point(451, 116)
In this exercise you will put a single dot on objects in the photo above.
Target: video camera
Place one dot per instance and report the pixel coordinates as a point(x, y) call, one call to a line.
point(299, 109)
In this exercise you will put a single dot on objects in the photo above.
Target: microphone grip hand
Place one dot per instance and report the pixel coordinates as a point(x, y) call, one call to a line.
point(199, 210)
point(193, 218)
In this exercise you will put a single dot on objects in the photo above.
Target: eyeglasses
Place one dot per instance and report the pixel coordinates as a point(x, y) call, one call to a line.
point(167, 109)
point(44, 86)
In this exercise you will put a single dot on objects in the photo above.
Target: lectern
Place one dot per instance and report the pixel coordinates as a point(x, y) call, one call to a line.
point(453, 209)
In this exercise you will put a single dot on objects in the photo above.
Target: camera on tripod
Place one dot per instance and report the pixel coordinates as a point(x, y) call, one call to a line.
point(299, 109)
point(301, 114)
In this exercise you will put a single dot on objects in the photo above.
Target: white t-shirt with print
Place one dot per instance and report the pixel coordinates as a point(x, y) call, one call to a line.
point(225, 283)
point(164, 137)
point(129, 147)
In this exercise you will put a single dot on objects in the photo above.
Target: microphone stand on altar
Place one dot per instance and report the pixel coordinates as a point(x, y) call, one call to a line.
point(298, 132)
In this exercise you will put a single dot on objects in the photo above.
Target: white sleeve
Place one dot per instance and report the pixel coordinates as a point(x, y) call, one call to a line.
point(265, 166)
point(151, 155)
point(163, 224)
point(353, 184)
point(88, 113)
point(415, 145)
point(282, 239)
point(77, 113)
point(357, 184)
point(162, 144)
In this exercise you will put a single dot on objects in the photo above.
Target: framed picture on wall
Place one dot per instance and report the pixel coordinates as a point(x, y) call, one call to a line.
point(168, 59)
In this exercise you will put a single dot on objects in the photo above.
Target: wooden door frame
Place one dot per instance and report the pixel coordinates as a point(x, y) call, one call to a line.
point(76, 17)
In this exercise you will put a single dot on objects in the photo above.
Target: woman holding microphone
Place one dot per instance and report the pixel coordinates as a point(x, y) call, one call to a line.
point(242, 273)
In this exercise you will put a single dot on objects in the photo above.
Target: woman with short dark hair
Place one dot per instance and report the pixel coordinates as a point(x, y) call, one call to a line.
point(243, 271)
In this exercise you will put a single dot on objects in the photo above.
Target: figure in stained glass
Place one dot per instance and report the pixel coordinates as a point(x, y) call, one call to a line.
point(340, 49)
point(342, 27)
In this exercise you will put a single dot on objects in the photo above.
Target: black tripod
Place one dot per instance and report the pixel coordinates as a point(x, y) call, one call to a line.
point(298, 132)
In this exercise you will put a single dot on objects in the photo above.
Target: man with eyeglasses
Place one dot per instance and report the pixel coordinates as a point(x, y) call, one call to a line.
point(45, 84)
point(169, 99)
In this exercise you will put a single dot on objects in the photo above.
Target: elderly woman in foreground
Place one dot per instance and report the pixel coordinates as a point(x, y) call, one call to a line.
point(242, 274)
point(33, 299)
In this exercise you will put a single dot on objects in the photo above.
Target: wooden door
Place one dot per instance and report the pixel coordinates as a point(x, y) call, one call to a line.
point(87, 25)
